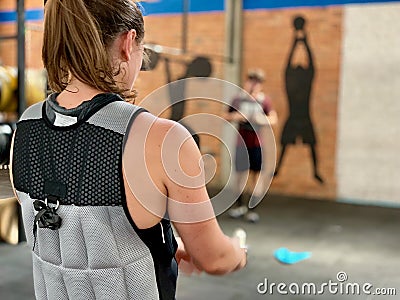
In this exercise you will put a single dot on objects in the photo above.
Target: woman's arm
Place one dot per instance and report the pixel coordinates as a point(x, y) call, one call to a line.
point(289, 63)
point(164, 173)
point(209, 248)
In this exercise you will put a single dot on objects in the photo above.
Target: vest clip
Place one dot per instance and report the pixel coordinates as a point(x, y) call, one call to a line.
point(46, 217)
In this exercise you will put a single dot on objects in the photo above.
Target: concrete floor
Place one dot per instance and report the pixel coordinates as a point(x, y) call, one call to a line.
point(361, 241)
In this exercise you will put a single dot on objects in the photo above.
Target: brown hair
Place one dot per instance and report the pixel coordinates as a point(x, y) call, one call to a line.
point(77, 39)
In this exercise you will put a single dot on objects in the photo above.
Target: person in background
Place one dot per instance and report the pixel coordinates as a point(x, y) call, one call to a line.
point(83, 182)
point(252, 109)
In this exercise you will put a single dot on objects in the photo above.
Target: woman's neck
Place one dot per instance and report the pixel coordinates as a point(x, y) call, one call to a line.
point(75, 93)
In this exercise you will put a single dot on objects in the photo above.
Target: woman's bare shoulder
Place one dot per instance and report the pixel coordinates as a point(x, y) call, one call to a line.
point(159, 129)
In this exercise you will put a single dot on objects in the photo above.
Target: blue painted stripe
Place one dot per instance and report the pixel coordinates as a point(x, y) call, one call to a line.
point(30, 15)
point(196, 6)
point(7, 16)
point(176, 6)
point(35, 14)
point(271, 4)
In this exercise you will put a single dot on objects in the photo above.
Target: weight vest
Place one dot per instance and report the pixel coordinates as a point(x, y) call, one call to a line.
point(75, 156)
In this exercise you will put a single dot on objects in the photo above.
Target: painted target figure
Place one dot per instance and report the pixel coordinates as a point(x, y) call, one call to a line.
point(298, 82)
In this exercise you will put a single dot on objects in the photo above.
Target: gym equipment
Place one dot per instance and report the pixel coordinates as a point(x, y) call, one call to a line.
point(9, 222)
point(5, 143)
point(8, 88)
point(20, 37)
point(35, 87)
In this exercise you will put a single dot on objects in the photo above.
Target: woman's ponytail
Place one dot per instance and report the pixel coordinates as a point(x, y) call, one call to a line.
point(77, 37)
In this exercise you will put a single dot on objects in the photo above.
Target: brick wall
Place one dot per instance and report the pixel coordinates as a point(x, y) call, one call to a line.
point(268, 37)
point(8, 53)
point(266, 44)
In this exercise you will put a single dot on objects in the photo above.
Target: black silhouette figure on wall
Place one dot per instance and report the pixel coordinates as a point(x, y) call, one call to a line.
point(298, 80)
point(200, 66)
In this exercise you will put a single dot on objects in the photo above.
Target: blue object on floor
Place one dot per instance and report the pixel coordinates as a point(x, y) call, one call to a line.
point(286, 256)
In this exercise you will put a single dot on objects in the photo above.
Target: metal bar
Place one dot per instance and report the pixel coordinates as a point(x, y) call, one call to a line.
point(179, 52)
point(8, 37)
point(233, 39)
point(231, 34)
point(21, 56)
point(164, 49)
point(185, 20)
point(232, 73)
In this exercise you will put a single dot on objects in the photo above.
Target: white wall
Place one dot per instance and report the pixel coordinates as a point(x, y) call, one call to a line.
point(368, 162)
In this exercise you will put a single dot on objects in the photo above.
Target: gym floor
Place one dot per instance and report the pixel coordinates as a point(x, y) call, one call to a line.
point(361, 241)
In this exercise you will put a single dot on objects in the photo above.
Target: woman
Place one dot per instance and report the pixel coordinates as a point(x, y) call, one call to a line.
point(84, 182)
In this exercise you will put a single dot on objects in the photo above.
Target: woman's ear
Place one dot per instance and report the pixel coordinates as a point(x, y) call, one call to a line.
point(128, 40)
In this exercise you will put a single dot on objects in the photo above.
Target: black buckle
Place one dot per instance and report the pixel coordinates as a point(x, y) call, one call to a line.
point(47, 216)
